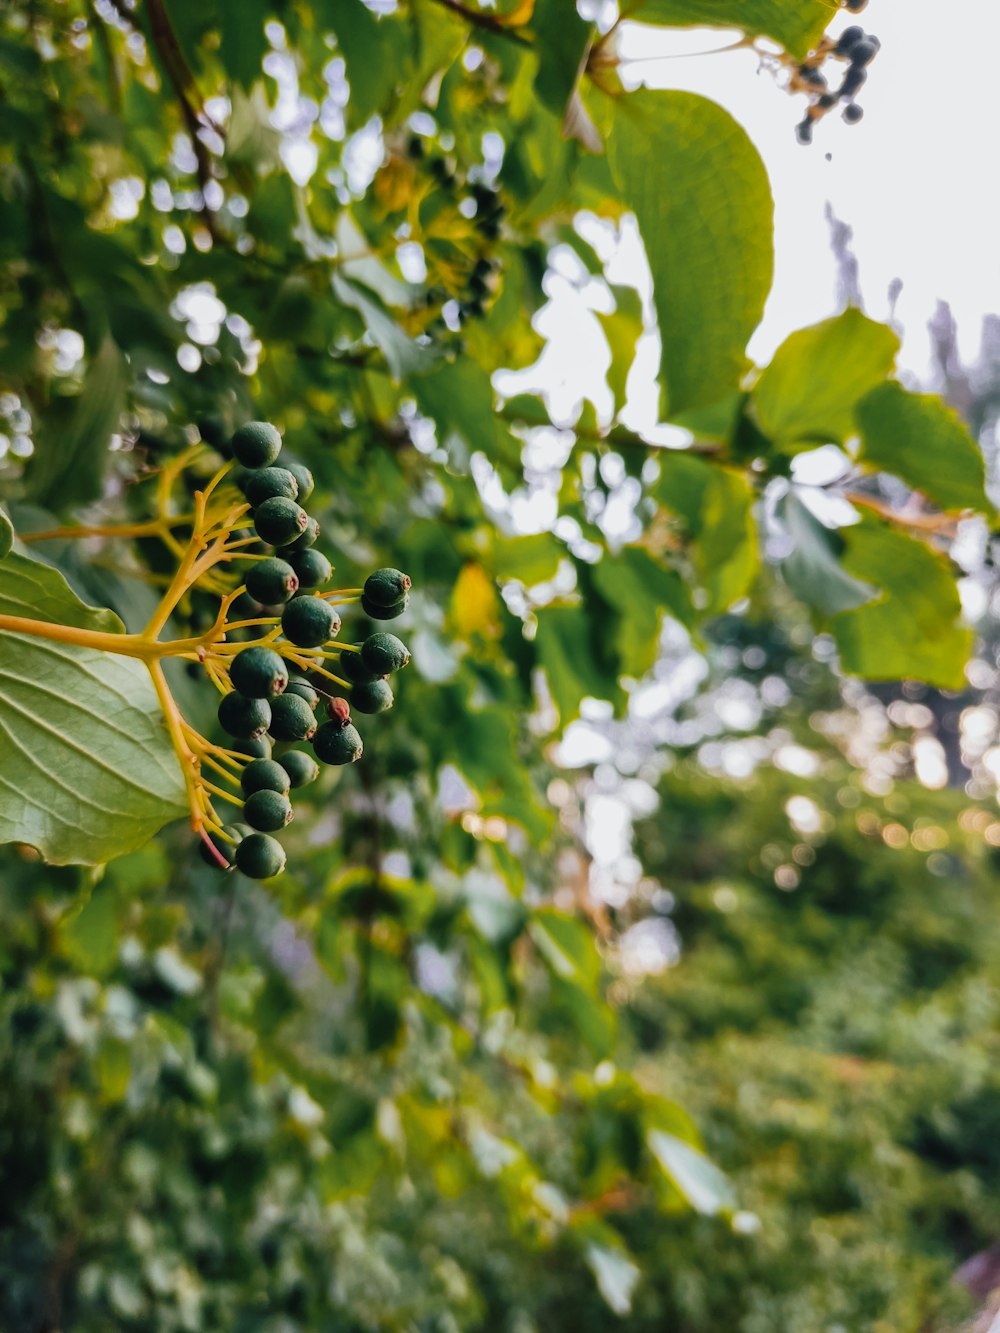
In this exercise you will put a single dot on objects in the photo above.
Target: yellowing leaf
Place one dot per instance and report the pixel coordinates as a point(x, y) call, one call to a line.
point(475, 606)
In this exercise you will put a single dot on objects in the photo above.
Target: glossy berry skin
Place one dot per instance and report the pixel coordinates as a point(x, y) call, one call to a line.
point(853, 113)
point(267, 811)
point(382, 653)
point(259, 673)
point(268, 482)
point(863, 52)
point(279, 521)
point(353, 667)
point(291, 719)
point(305, 691)
point(376, 612)
point(308, 622)
point(272, 581)
point(264, 775)
point(256, 444)
point(853, 80)
point(301, 768)
point(258, 748)
point(856, 6)
point(312, 567)
point(303, 479)
point(848, 38)
point(335, 744)
point(374, 698)
point(260, 856)
point(243, 717)
point(386, 587)
point(309, 537)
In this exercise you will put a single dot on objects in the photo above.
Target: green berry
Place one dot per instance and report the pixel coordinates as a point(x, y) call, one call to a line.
point(386, 587)
point(267, 482)
point(304, 479)
point(272, 581)
point(258, 748)
point(312, 567)
point(336, 744)
point(309, 621)
point(373, 698)
point(383, 653)
point(376, 612)
point(264, 775)
point(259, 673)
point(354, 668)
point(244, 717)
point(267, 810)
point(257, 444)
point(291, 719)
point(305, 691)
point(260, 856)
point(225, 849)
point(300, 767)
point(309, 538)
point(279, 521)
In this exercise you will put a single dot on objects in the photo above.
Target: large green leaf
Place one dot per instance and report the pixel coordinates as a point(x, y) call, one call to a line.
point(920, 439)
point(561, 38)
point(701, 195)
point(623, 329)
point(700, 1181)
point(812, 569)
point(402, 355)
point(806, 396)
point(796, 24)
point(573, 667)
point(913, 630)
point(88, 772)
point(715, 506)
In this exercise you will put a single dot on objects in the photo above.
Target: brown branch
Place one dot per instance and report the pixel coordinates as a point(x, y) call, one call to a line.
point(488, 22)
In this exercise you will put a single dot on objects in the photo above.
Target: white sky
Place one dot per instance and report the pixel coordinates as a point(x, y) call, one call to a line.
point(917, 179)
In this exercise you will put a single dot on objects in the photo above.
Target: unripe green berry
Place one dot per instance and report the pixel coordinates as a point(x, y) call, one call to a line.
point(259, 673)
point(258, 748)
point(267, 482)
point(336, 744)
point(303, 478)
point(309, 537)
point(260, 856)
point(225, 849)
point(244, 717)
point(272, 581)
point(267, 810)
point(264, 775)
point(305, 691)
point(279, 521)
point(383, 653)
point(376, 612)
point(291, 719)
point(308, 621)
point(373, 698)
point(300, 767)
point(312, 567)
point(353, 667)
point(256, 444)
point(386, 587)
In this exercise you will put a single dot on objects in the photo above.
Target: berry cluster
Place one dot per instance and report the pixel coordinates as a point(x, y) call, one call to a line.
point(854, 47)
point(274, 684)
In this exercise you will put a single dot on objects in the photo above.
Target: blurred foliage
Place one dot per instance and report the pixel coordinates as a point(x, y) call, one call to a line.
point(404, 1086)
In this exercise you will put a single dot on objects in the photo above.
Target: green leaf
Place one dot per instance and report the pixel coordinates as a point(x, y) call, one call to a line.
point(373, 51)
point(614, 1272)
point(567, 945)
point(532, 559)
point(700, 1181)
point(796, 24)
point(6, 534)
point(68, 466)
point(623, 330)
point(703, 202)
point(403, 356)
point(812, 570)
point(566, 651)
point(715, 505)
point(639, 591)
point(88, 773)
point(561, 39)
point(921, 440)
point(806, 396)
point(913, 631)
point(242, 38)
